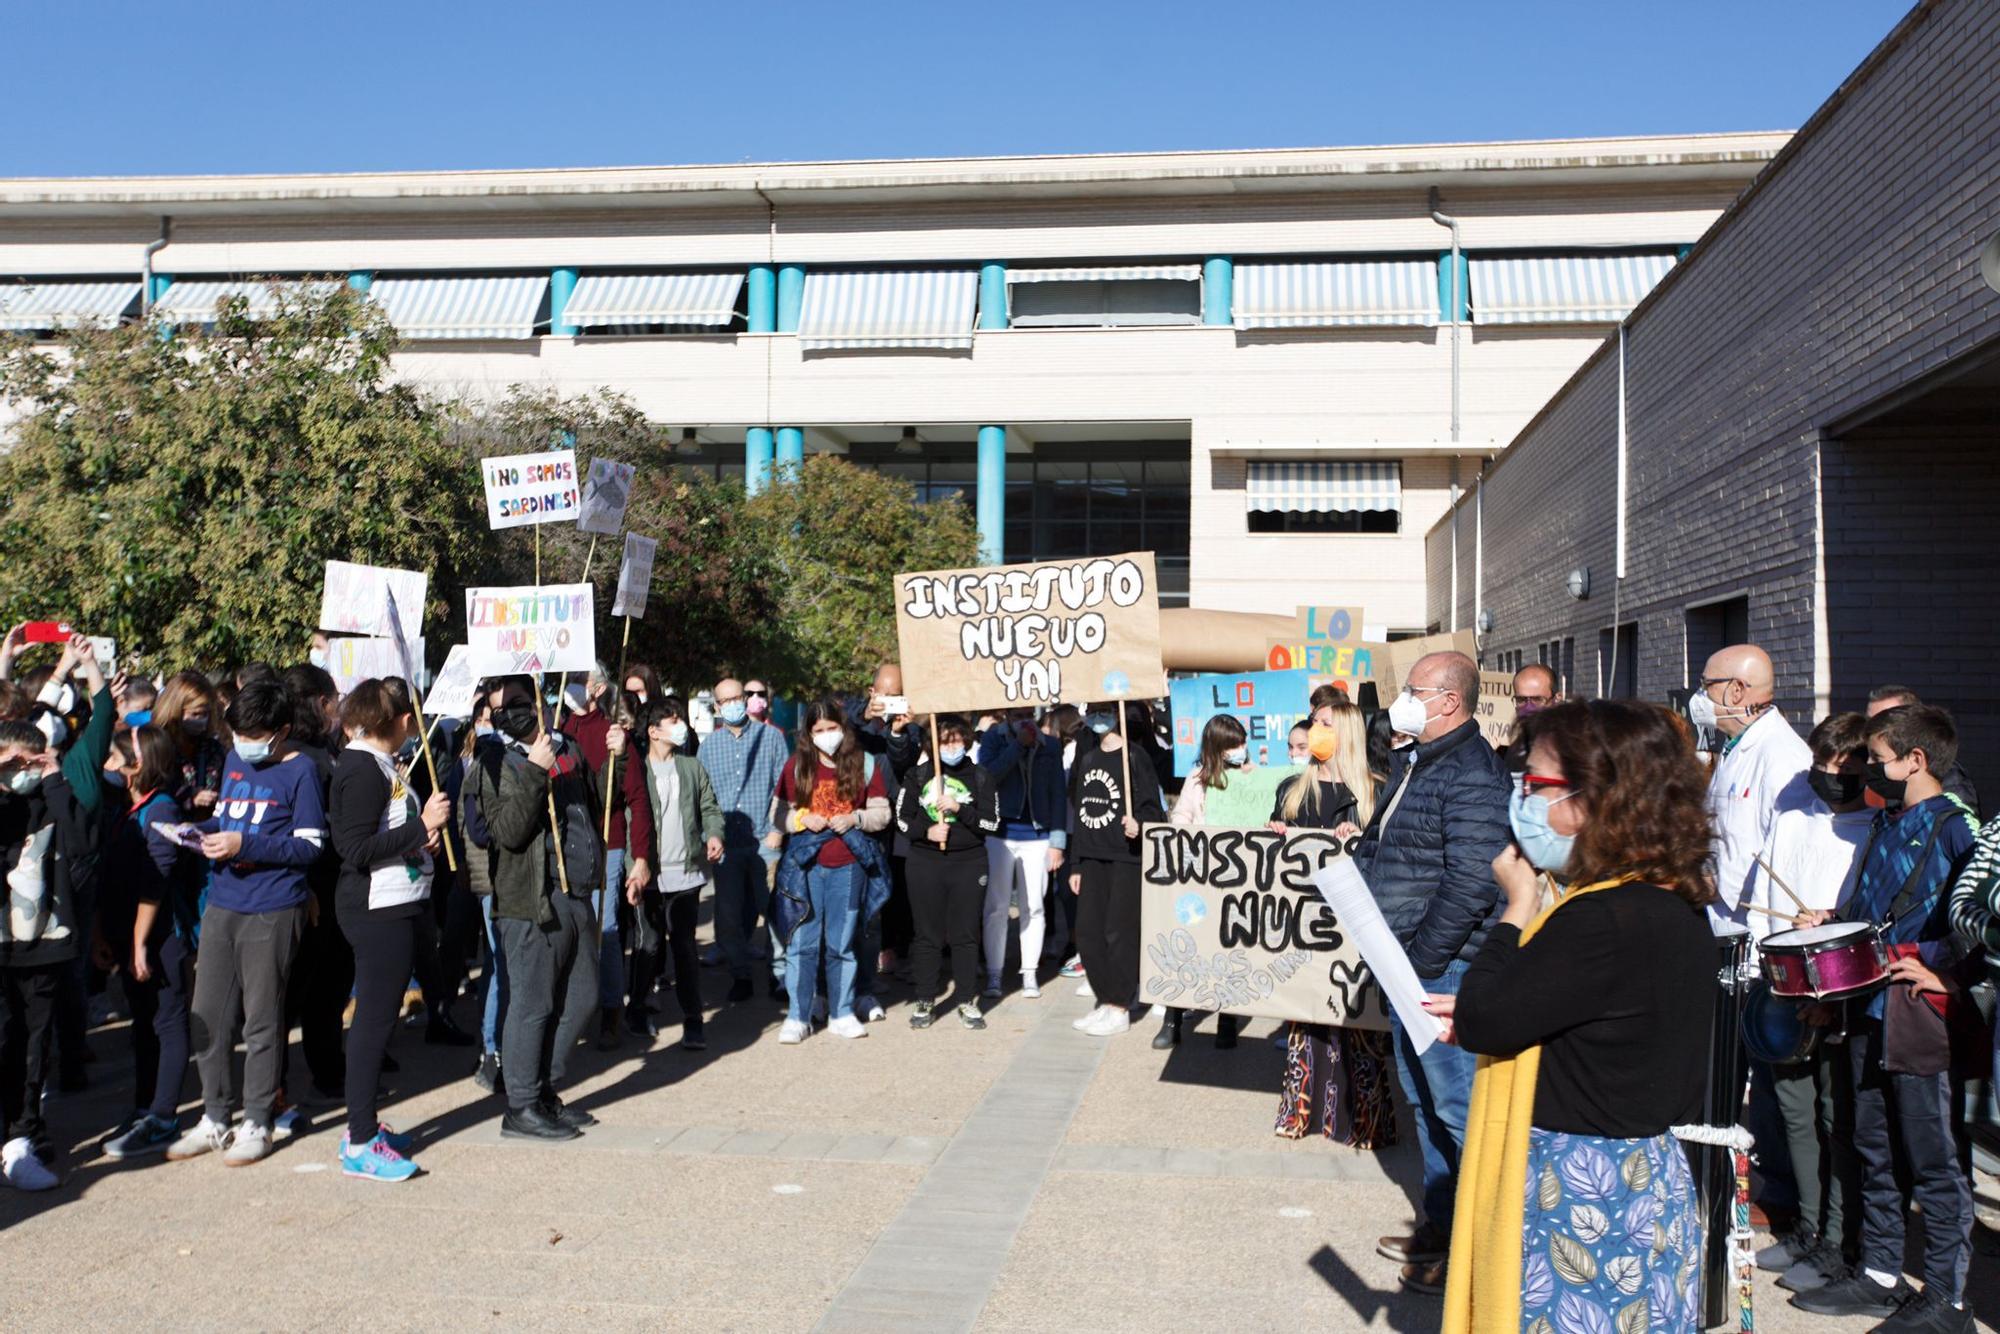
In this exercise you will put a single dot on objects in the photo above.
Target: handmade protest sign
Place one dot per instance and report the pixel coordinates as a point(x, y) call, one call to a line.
point(352, 661)
point(1006, 635)
point(1393, 666)
point(354, 598)
point(1266, 703)
point(451, 693)
point(531, 488)
point(530, 630)
point(635, 577)
point(1229, 919)
point(605, 493)
point(1495, 713)
point(1250, 797)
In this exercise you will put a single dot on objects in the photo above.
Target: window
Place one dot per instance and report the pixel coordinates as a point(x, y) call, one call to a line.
point(1714, 626)
point(1618, 662)
point(1568, 668)
point(1103, 304)
point(1323, 496)
point(1336, 522)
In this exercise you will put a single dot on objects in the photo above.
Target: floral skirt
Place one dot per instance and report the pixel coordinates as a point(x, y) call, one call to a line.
point(1337, 1083)
point(1613, 1237)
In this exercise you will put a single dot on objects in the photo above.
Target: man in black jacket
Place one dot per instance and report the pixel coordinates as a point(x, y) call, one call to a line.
point(1428, 856)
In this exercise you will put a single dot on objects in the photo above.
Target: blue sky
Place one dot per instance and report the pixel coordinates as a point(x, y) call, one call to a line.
point(113, 87)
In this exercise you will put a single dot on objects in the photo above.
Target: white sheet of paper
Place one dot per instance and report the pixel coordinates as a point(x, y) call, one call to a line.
point(181, 835)
point(1353, 903)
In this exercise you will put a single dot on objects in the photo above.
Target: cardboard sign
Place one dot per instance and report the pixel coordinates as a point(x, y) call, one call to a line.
point(352, 661)
point(1266, 703)
point(451, 693)
point(531, 488)
point(1010, 635)
point(1393, 666)
point(1230, 920)
point(531, 630)
point(354, 599)
point(1249, 799)
point(635, 577)
point(1343, 665)
point(1496, 707)
point(605, 494)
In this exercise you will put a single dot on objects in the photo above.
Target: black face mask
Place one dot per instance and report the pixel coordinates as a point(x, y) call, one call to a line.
point(1835, 789)
point(519, 721)
point(1883, 786)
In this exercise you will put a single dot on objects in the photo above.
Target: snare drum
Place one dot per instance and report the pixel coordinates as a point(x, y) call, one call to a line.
point(1772, 1030)
point(1825, 962)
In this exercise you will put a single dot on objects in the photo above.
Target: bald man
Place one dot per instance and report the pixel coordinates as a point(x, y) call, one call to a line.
point(1762, 769)
point(1534, 689)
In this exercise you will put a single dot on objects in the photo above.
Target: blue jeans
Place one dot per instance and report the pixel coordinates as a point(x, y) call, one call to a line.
point(742, 886)
point(610, 948)
point(1438, 1085)
point(496, 984)
point(835, 896)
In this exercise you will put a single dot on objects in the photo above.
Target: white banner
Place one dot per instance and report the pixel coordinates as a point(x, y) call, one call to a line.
point(531, 488)
point(635, 577)
point(531, 630)
point(451, 693)
point(353, 600)
point(352, 661)
point(605, 494)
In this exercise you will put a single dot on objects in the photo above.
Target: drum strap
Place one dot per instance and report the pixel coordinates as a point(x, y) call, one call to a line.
point(1899, 908)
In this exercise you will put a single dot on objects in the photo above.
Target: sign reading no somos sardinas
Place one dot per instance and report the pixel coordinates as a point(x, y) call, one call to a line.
point(545, 629)
point(1030, 634)
point(531, 488)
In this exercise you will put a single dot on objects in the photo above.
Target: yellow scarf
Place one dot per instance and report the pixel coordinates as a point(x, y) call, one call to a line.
point(1483, 1281)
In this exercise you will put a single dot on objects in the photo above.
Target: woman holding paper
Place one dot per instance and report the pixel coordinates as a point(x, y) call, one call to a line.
point(1225, 750)
point(1576, 1207)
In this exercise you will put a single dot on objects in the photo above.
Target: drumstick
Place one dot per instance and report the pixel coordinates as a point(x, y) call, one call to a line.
point(1770, 912)
point(1799, 902)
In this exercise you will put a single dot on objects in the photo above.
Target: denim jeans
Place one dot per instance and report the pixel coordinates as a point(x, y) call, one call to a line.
point(835, 896)
point(610, 947)
point(496, 983)
point(1438, 1085)
point(1913, 1112)
point(742, 884)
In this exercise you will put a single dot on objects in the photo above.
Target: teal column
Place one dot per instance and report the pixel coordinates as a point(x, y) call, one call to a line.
point(562, 285)
point(992, 296)
point(791, 296)
point(1447, 312)
point(791, 451)
point(161, 282)
point(1218, 291)
point(763, 312)
point(757, 459)
point(991, 507)
point(361, 280)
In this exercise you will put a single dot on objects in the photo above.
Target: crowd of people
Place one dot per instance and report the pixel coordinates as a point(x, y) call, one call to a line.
point(266, 851)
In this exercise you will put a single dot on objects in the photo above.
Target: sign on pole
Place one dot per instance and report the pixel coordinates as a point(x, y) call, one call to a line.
point(353, 660)
point(1009, 635)
point(605, 494)
point(530, 630)
point(531, 488)
point(635, 577)
point(354, 599)
point(1266, 703)
point(1229, 919)
point(451, 693)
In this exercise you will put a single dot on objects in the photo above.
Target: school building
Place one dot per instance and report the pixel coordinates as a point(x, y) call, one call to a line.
point(1265, 366)
point(1791, 439)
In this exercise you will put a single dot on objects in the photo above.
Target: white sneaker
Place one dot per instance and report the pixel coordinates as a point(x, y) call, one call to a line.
point(847, 1026)
point(1157, 1012)
point(251, 1143)
point(204, 1136)
point(1083, 1024)
point(1083, 989)
point(870, 1009)
point(22, 1169)
point(793, 1033)
point(1030, 989)
point(1109, 1022)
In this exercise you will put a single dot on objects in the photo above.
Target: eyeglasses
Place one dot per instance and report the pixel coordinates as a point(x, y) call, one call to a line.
point(1535, 784)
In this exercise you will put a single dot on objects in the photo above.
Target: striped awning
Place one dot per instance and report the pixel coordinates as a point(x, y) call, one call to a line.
point(1338, 294)
point(193, 301)
point(1127, 273)
point(1565, 289)
point(461, 307)
point(653, 298)
point(930, 308)
point(33, 306)
point(1322, 486)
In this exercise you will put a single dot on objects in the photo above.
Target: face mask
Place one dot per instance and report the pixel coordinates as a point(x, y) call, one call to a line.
point(1101, 723)
point(1236, 758)
point(1835, 789)
point(518, 721)
point(195, 726)
point(1542, 845)
point(828, 742)
point(482, 729)
point(253, 752)
point(677, 734)
point(758, 706)
point(1527, 708)
point(317, 657)
point(1701, 711)
point(1408, 714)
point(1321, 743)
point(1883, 786)
point(640, 695)
point(137, 718)
point(734, 714)
point(113, 777)
point(951, 755)
point(22, 782)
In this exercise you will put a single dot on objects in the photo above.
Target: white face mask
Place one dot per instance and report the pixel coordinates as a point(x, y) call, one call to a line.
point(828, 742)
point(1237, 758)
point(677, 734)
point(317, 657)
point(1408, 714)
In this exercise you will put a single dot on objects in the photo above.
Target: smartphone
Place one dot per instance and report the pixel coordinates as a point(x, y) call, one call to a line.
point(46, 632)
point(893, 706)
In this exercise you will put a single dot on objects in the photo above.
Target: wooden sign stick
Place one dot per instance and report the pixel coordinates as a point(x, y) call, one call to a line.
point(611, 761)
point(555, 826)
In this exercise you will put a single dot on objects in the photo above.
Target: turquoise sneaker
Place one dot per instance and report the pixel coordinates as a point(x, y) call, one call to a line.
point(395, 1139)
point(374, 1161)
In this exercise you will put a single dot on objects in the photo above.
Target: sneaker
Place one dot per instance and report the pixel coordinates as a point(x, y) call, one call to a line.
point(1074, 968)
point(711, 956)
point(146, 1135)
point(286, 1124)
point(205, 1136)
point(1088, 1019)
point(1427, 1245)
point(993, 991)
point(922, 1016)
point(1425, 1278)
point(969, 1015)
point(395, 1139)
point(573, 1117)
point(1815, 1269)
point(870, 1009)
point(1786, 1251)
point(487, 1073)
point(377, 1160)
point(1853, 1293)
point(1030, 988)
point(532, 1122)
point(1930, 1314)
point(22, 1169)
point(847, 1026)
point(250, 1143)
point(1109, 1022)
point(793, 1032)
point(692, 1038)
point(1083, 989)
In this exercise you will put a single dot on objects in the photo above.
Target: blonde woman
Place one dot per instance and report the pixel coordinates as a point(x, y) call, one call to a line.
point(1336, 1079)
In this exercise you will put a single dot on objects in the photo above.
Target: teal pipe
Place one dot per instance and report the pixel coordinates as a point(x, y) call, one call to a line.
point(991, 504)
point(1218, 291)
point(763, 312)
point(791, 453)
point(562, 285)
point(757, 459)
point(791, 297)
point(992, 296)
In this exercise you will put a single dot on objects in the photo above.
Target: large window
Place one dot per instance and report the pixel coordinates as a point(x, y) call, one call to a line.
point(1103, 304)
point(1098, 500)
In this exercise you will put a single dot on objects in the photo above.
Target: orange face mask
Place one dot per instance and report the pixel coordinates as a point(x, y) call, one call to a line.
point(1321, 742)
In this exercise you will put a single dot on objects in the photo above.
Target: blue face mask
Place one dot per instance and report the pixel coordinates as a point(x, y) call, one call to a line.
point(253, 752)
point(1542, 846)
point(734, 713)
point(1101, 723)
point(951, 755)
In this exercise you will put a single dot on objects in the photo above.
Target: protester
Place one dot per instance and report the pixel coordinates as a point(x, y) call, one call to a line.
point(600, 730)
point(676, 826)
point(949, 809)
point(1336, 1078)
point(269, 826)
point(1064, 727)
point(481, 738)
point(757, 699)
point(1224, 752)
point(1106, 812)
point(537, 800)
point(189, 710)
point(1762, 769)
point(889, 734)
point(322, 976)
point(1957, 782)
point(385, 843)
point(1534, 690)
point(1428, 856)
point(53, 778)
point(438, 969)
point(1592, 1017)
point(1904, 1119)
point(1027, 775)
point(744, 761)
point(1298, 743)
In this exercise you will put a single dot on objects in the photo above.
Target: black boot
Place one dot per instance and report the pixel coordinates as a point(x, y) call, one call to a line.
point(1170, 1030)
point(534, 1122)
point(1226, 1026)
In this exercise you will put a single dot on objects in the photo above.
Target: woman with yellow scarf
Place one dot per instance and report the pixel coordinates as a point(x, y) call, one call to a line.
point(1576, 1207)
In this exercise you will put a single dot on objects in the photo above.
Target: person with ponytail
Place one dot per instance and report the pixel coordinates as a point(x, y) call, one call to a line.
point(1225, 750)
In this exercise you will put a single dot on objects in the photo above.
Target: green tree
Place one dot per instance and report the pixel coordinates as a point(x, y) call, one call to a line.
point(183, 493)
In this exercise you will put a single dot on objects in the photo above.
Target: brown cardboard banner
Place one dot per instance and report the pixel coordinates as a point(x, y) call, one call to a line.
point(1393, 666)
point(1496, 707)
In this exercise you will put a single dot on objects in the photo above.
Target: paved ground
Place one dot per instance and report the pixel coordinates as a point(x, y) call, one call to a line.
point(1020, 1179)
